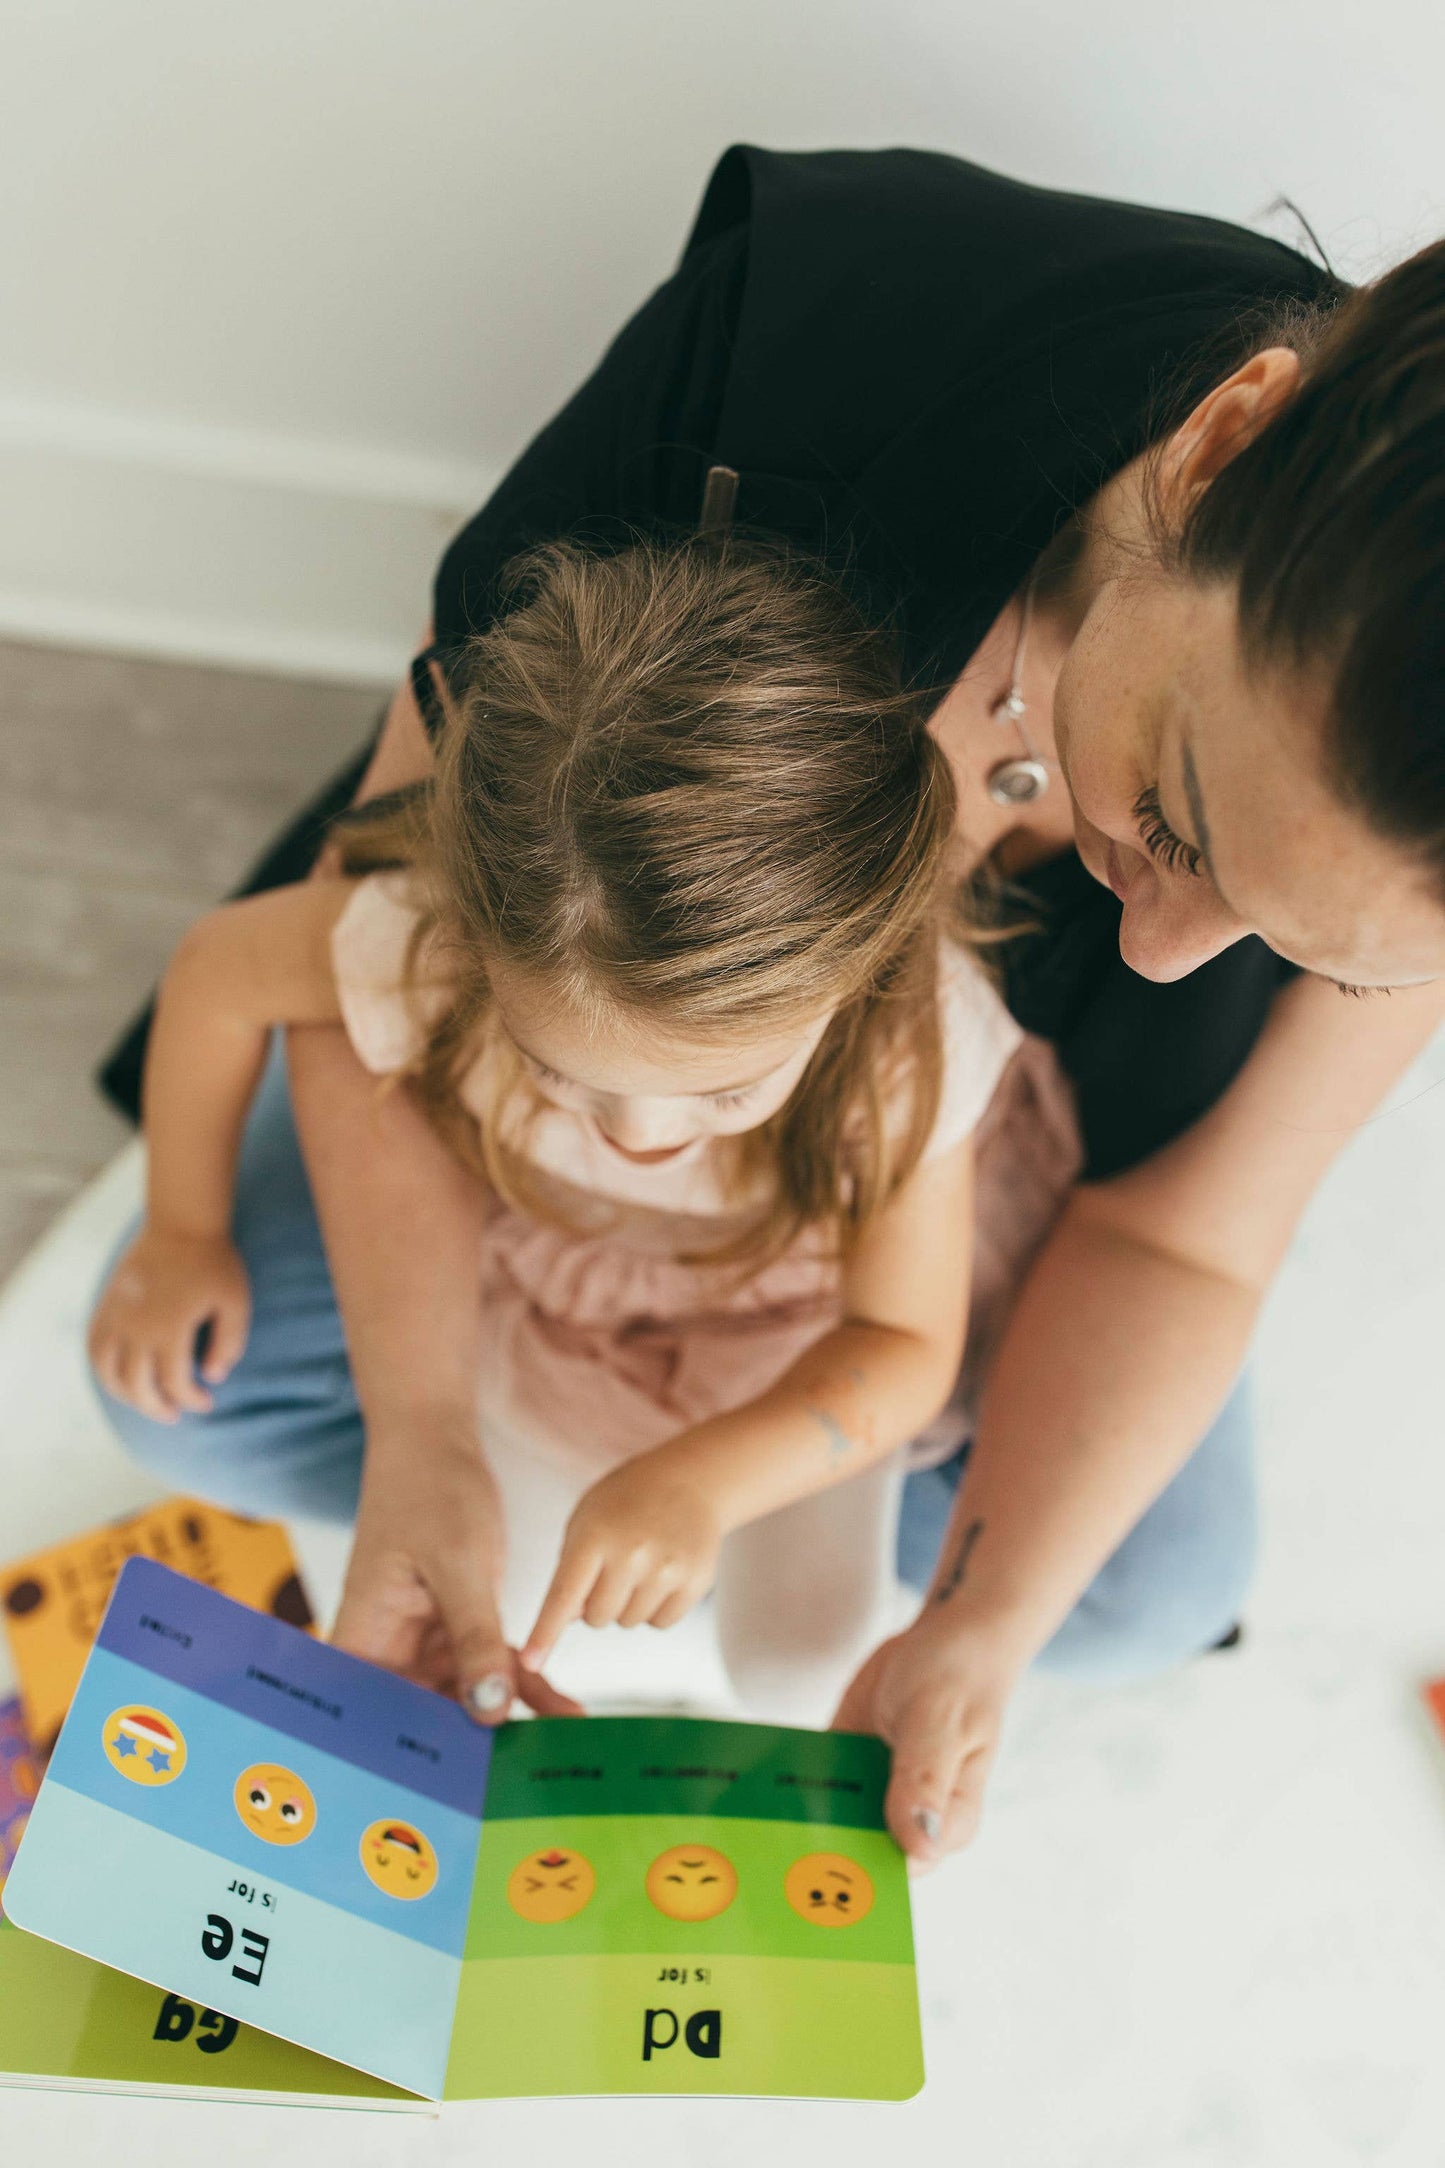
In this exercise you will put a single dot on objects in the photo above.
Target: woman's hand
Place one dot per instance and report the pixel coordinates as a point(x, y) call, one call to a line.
point(420, 1595)
point(640, 1549)
point(936, 1694)
point(165, 1290)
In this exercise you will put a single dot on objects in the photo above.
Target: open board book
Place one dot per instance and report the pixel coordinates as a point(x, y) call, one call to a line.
point(329, 1884)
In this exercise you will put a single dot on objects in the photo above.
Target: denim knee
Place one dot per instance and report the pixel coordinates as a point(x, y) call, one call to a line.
point(1173, 1587)
point(272, 1463)
point(284, 1435)
point(1135, 1620)
point(1177, 1583)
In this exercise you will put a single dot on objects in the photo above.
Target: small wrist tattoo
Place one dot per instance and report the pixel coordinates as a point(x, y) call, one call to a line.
point(839, 1442)
point(958, 1566)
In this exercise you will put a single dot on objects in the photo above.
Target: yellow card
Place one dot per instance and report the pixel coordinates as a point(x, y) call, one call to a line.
point(52, 1602)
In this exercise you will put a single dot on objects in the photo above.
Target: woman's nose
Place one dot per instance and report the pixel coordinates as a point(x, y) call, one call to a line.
point(1166, 934)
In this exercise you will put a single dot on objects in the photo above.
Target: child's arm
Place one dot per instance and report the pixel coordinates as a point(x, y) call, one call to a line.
point(642, 1545)
point(238, 973)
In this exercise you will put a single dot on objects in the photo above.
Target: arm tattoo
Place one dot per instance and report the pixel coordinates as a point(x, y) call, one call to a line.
point(839, 1442)
point(953, 1576)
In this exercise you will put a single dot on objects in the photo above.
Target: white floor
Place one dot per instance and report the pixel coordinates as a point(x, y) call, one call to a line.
point(1205, 1923)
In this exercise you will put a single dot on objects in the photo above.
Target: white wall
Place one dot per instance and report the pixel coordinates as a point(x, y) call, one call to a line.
point(287, 282)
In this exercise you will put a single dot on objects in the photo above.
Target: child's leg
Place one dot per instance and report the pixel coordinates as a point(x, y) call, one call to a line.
point(285, 1433)
point(802, 1595)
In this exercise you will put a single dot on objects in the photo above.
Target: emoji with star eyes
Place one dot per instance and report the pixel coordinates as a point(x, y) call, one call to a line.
point(274, 1804)
point(692, 1882)
point(143, 1745)
point(828, 1889)
point(398, 1859)
point(549, 1886)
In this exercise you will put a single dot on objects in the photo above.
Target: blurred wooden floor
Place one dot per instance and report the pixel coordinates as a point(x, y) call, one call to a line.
point(132, 795)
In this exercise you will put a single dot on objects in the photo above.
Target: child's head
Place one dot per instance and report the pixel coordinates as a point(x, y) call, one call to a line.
point(687, 842)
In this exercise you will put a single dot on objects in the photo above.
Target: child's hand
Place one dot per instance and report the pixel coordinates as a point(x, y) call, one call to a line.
point(640, 1549)
point(143, 1335)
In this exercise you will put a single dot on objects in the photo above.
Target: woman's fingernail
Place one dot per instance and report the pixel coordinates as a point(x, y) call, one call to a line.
point(491, 1693)
point(931, 1824)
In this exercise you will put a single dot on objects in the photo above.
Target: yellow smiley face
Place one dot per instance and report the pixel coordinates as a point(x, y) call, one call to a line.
point(692, 1882)
point(145, 1746)
point(549, 1886)
point(828, 1889)
point(398, 1858)
point(274, 1804)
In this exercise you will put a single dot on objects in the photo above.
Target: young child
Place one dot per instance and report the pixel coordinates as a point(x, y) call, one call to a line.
point(663, 952)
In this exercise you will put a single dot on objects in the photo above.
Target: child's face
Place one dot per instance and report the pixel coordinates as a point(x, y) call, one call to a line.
point(650, 1098)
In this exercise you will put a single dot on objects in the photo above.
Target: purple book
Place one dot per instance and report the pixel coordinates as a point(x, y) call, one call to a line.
point(19, 1782)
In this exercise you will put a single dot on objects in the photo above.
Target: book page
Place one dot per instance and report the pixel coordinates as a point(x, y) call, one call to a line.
point(673, 1905)
point(263, 1826)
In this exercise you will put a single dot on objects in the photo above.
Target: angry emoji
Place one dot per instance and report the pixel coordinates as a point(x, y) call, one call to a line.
point(549, 1886)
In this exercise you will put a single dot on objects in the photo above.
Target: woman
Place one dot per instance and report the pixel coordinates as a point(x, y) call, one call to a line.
point(1167, 544)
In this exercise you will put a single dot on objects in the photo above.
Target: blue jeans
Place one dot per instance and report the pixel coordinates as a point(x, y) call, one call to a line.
point(1177, 1581)
point(285, 1436)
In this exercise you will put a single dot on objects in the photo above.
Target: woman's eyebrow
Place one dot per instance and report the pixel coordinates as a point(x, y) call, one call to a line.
point(1200, 819)
point(1196, 807)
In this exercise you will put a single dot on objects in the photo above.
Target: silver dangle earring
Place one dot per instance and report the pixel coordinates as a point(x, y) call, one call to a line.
point(1024, 778)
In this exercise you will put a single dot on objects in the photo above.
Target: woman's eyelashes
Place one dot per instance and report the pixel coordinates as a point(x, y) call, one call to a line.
point(1163, 845)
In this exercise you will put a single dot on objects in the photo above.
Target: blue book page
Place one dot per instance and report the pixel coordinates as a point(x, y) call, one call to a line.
point(261, 1823)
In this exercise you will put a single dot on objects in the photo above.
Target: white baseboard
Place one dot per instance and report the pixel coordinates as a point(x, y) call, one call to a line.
point(148, 537)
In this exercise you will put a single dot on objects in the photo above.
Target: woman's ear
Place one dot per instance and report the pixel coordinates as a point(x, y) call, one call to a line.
point(1224, 422)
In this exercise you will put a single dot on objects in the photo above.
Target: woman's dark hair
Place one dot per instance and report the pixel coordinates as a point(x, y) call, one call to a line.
point(1331, 522)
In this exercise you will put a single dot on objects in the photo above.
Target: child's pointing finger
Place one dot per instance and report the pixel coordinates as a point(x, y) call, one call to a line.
point(565, 1600)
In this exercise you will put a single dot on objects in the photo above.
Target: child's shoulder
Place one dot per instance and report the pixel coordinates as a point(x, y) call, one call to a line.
point(387, 995)
point(970, 1002)
point(979, 1039)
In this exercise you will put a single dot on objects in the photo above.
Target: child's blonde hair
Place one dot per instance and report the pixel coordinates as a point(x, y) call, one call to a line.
point(684, 784)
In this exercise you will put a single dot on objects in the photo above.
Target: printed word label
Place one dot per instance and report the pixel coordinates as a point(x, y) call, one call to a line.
point(177, 2020)
point(702, 2034)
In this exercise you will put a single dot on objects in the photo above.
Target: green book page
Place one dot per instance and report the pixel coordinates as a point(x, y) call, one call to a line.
point(66, 2020)
point(672, 1905)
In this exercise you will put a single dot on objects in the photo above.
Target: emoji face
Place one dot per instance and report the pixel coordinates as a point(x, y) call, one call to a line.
point(398, 1859)
point(828, 1889)
point(549, 1886)
point(143, 1745)
point(274, 1804)
point(692, 1882)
